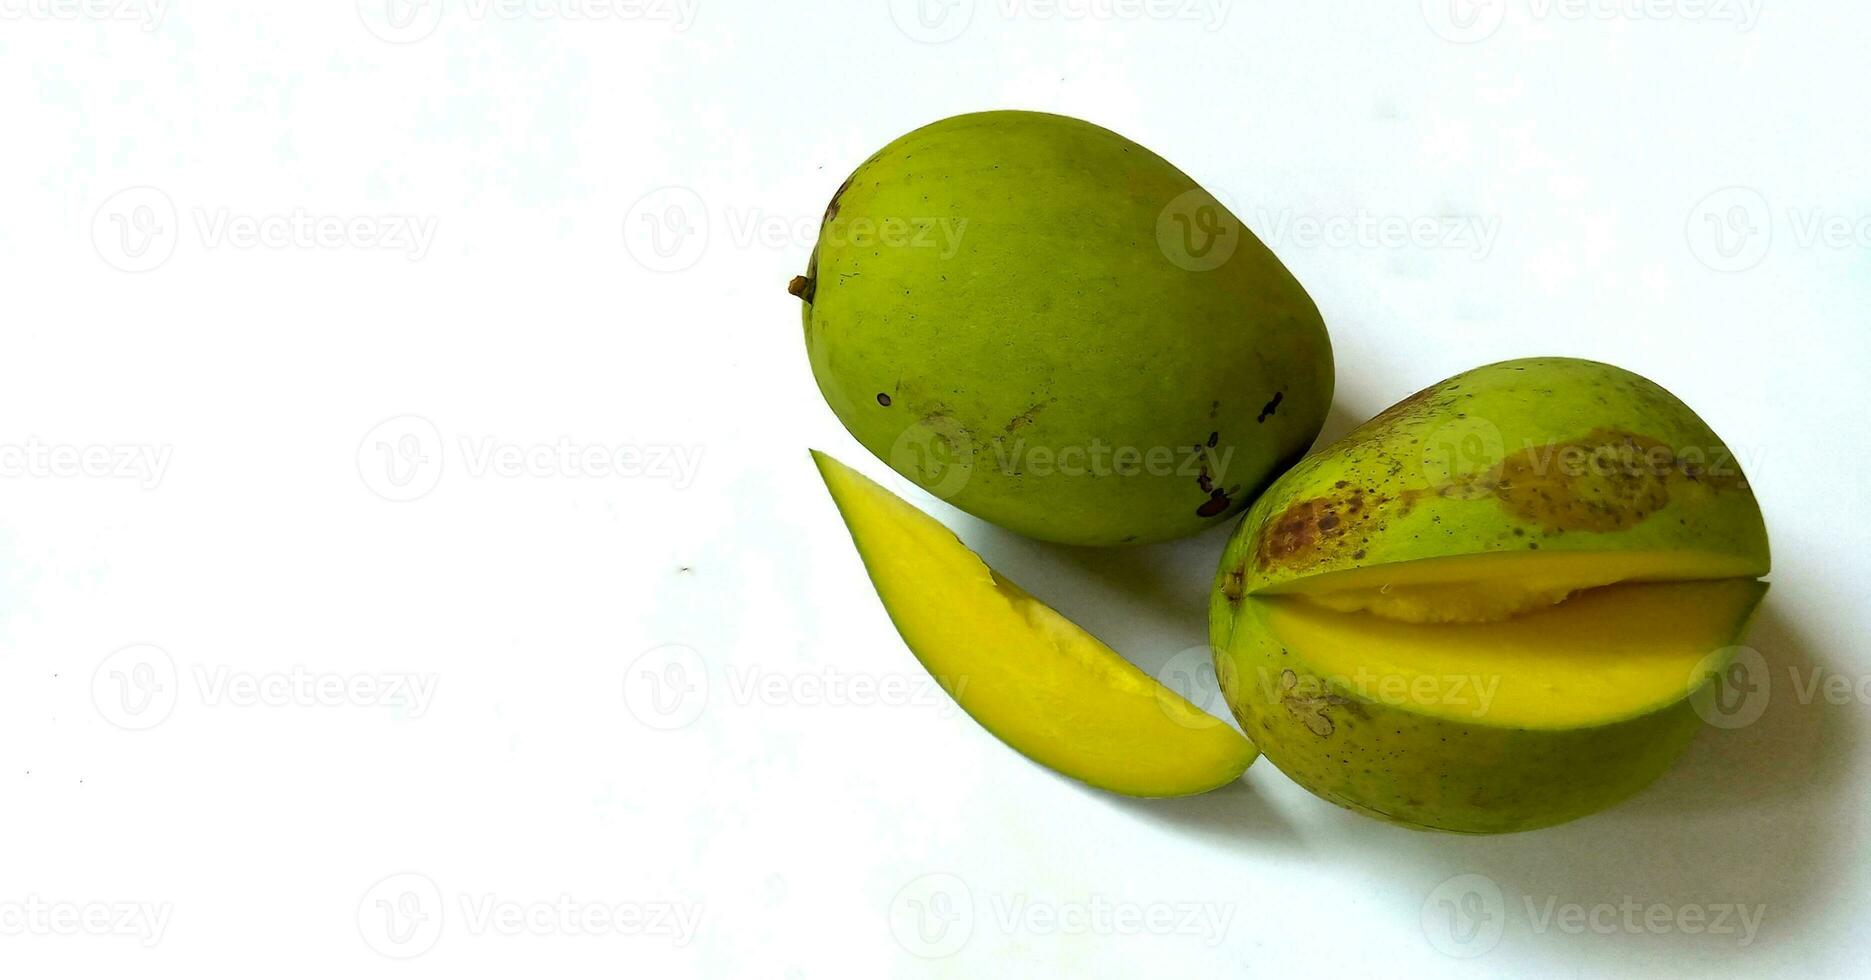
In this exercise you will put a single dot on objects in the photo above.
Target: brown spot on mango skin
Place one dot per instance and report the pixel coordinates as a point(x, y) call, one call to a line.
point(1308, 703)
point(831, 208)
point(1607, 480)
point(1311, 530)
point(1235, 585)
point(1216, 503)
point(1025, 418)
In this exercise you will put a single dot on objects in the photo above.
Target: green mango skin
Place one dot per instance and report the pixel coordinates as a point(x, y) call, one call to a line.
point(1449, 471)
point(1496, 460)
point(1431, 773)
point(991, 311)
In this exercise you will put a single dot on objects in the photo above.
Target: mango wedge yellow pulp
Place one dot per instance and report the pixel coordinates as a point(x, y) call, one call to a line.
point(1030, 676)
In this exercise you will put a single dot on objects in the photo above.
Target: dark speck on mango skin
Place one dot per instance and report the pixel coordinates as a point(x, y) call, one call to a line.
point(883, 399)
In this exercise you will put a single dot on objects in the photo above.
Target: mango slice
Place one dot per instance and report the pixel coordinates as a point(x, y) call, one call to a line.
point(1038, 682)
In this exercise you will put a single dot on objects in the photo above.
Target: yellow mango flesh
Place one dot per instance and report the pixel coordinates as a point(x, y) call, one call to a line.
point(1490, 587)
point(1030, 676)
point(1603, 655)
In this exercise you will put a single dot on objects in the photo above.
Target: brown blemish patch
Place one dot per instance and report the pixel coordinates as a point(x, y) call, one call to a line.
point(1309, 704)
point(1025, 418)
point(1607, 480)
point(1311, 531)
point(1218, 500)
point(831, 208)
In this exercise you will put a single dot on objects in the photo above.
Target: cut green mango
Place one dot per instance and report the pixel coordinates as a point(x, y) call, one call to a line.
point(1564, 533)
point(1030, 676)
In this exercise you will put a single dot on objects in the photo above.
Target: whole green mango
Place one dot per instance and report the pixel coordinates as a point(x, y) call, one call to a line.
point(1057, 331)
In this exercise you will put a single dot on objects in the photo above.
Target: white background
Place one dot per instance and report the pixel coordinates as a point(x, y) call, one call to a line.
point(318, 655)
